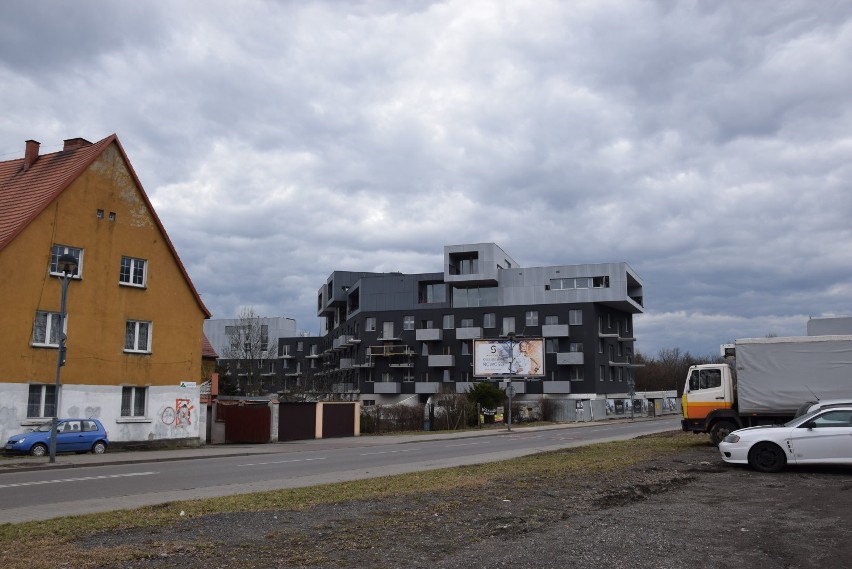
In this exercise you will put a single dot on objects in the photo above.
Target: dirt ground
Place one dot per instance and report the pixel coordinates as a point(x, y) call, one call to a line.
point(691, 510)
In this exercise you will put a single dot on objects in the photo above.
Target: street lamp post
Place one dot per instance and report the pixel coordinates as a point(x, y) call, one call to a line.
point(510, 390)
point(68, 265)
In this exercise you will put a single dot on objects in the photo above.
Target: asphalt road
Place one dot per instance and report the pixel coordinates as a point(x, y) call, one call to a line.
point(95, 487)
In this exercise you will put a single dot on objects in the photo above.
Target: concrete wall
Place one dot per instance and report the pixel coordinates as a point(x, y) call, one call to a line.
point(173, 413)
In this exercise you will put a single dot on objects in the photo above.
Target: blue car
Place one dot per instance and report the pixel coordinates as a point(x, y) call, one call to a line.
point(73, 435)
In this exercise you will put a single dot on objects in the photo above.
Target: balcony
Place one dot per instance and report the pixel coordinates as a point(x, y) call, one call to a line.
point(442, 360)
point(346, 363)
point(429, 335)
point(387, 388)
point(556, 386)
point(473, 333)
point(569, 359)
point(427, 387)
point(554, 330)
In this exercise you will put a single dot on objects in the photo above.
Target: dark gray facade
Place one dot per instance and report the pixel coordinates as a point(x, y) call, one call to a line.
point(391, 336)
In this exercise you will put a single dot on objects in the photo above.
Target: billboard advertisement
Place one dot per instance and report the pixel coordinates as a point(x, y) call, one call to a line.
point(522, 357)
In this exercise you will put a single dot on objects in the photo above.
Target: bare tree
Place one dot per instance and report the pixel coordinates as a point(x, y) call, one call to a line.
point(251, 355)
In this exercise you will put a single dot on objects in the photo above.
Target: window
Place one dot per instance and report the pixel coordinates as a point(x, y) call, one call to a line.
point(705, 379)
point(449, 322)
point(134, 272)
point(489, 320)
point(575, 373)
point(300, 346)
point(465, 348)
point(408, 322)
point(41, 401)
point(611, 353)
point(551, 320)
point(58, 251)
point(532, 318)
point(432, 293)
point(264, 337)
point(426, 324)
point(508, 325)
point(464, 263)
point(137, 336)
point(46, 328)
point(600, 346)
point(133, 401)
point(551, 345)
point(576, 347)
point(467, 322)
point(838, 418)
point(575, 317)
point(285, 350)
point(601, 372)
point(370, 324)
point(474, 296)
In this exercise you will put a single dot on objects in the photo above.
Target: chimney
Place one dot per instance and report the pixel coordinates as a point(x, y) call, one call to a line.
point(30, 153)
point(75, 143)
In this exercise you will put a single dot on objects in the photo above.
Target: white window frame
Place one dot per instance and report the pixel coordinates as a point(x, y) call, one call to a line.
point(408, 322)
point(51, 321)
point(42, 400)
point(57, 251)
point(531, 318)
point(370, 324)
point(136, 392)
point(136, 349)
point(489, 320)
point(132, 270)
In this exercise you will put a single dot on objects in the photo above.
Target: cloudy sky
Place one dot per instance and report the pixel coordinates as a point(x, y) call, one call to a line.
point(707, 143)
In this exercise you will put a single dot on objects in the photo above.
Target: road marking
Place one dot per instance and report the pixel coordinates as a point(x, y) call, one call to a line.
point(282, 461)
point(467, 444)
point(81, 479)
point(386, 452)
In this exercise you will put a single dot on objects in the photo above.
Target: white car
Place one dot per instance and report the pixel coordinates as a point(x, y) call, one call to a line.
point(823, 436)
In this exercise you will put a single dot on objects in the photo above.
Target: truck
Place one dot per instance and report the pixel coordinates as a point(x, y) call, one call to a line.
point(771, 380)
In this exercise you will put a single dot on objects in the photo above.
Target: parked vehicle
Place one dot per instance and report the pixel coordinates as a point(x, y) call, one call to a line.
point(823, 436)
point(72, 435)
point(774, 378)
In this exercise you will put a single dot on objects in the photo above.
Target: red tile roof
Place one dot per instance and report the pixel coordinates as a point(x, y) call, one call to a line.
point(25, 193)
point(207, 350)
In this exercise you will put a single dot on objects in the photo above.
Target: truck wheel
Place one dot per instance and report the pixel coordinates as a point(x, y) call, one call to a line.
point(721, 430)
point(766, 457)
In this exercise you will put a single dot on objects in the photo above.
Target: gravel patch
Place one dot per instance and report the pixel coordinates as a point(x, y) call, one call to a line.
point(674, 512)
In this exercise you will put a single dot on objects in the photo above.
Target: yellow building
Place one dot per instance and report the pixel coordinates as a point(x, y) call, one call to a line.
point(134, 324)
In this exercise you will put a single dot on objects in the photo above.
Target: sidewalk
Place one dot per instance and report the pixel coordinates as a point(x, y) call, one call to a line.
point(30, 463)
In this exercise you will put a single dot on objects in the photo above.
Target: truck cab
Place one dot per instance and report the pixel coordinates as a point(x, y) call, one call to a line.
point(709, 401)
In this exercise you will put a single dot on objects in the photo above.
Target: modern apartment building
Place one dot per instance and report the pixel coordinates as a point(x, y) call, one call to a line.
point(391, 337)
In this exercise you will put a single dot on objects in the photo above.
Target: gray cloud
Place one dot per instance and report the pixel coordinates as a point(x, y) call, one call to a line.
point(704, 143)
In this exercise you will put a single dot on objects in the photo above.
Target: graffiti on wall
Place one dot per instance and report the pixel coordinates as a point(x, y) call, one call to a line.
point(180, 415)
